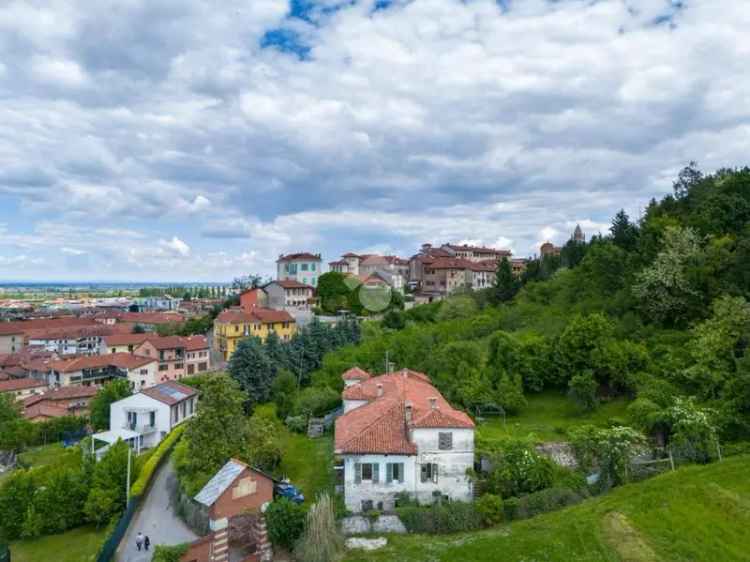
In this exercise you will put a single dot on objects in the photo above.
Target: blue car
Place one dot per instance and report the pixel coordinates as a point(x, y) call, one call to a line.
point(288, 490)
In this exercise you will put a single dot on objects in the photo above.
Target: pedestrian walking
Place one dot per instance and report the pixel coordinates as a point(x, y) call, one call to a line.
point(147, 542)
point(139, 540)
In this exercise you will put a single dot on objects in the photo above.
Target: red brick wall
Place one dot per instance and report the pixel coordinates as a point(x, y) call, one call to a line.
point(229, 506)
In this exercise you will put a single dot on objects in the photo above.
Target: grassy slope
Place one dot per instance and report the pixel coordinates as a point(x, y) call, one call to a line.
point(77, 545)
point(548, 416)
point(699, 513)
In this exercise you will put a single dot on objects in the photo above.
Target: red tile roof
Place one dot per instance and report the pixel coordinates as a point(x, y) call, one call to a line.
point(355, 374)
point(478, 249)
point(291, 284)
point(22, 326)
point(45, 410)
point(381, 426)
point(257, 314)
point(63, 393)
point(20, 384)
point(299, 256)
point(125, 339)
point(70, 332)
point(121, 360)
point(195, 343)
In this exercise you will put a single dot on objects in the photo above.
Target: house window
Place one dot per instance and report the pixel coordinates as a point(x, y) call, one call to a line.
point(152, 418)
point(429, 472)
point(304, 267)
point(163, 367)
point(394, 472)
point(175, 414)
point(366, 472)
point(367, 505)
point(445, 441)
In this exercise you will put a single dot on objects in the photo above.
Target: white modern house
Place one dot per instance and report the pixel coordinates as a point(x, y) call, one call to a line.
point(144, 419)
point(398, 434)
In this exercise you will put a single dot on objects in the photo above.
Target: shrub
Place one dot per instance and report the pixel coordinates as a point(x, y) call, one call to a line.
point(490, 508)
point(317, 401)
point(439, 518)
point(147, 472)
point(519, 469)
point(297, 424)
point(286, 522)
point(170, 553)
point(544, 501)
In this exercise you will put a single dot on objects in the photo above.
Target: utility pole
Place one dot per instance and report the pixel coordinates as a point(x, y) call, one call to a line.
point(387, 363)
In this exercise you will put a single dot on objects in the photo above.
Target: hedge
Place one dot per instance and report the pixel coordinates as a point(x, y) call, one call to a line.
point(443, 517)
point(544, 501)
point(147, 472)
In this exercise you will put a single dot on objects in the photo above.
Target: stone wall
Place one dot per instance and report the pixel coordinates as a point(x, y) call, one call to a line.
point(361, 525)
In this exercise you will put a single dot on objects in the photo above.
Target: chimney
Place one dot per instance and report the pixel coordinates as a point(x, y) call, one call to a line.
point(407, 411)
point(433, 403)
point(404, 372)
point(380, 390)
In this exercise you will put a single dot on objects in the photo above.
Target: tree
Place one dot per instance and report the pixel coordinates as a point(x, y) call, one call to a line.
point(111, 392)
point(624, 233)
point(107, 495)
point(688, 178)
point(215, 434)
point(609, 450)
point(251, 367)
point(284, 393)
point(457, 307)
point(138, 329)
point(15, 430)
point(510, 393)
point(717, 345)
point(665, 289)
point(583, 389)
point(262, 447)
point(333, 292)
point(394, 320)
point(506, 284)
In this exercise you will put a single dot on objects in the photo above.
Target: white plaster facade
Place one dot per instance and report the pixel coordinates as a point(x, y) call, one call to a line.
point(452, 478)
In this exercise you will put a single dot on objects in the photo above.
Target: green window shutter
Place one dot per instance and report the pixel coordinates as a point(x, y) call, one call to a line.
point(376, 472)
point(389, 472)
point(357, 473)
point(423, 472)
point(435, 473)
point(401, 472)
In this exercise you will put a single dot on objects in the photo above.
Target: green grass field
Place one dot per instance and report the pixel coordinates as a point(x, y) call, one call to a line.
point(698, 513)
point(77, 545)
point(308, 463)
point(45, 455)
point(547, 417)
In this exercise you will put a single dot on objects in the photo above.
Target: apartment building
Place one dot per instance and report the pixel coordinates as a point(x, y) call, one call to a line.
point(302, 267)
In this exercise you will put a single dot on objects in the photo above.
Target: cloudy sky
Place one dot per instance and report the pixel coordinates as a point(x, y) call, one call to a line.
point(198, 139)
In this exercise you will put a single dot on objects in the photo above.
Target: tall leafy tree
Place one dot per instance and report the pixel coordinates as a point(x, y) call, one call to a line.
point(111, 392)
point(216, 433)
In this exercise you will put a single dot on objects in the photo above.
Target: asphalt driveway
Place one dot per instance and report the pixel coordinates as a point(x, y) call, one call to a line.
point(157, 519)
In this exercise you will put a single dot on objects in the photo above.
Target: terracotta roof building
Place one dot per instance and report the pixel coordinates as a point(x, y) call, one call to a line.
point(398, 434)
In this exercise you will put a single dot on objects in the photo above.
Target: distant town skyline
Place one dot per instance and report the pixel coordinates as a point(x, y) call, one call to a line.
point(162, 141)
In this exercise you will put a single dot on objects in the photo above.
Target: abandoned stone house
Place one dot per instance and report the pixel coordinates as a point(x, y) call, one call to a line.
point(234, 500)
point(398, 434)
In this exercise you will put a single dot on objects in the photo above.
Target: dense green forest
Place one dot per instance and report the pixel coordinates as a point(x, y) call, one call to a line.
point(655, 310)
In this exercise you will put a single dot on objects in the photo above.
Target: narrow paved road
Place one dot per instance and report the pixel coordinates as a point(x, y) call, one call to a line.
point(157, 519)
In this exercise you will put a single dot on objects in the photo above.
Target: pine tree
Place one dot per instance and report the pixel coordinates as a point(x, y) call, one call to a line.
point(506, 285)
point(253, 369)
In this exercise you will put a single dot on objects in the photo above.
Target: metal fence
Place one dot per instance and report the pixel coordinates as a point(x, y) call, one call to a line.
point(109, 548)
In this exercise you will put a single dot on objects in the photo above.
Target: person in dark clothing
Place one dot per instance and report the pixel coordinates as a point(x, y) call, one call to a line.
point(147, 542)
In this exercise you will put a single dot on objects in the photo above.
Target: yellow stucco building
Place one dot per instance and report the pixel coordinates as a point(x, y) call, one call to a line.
point(234, 324)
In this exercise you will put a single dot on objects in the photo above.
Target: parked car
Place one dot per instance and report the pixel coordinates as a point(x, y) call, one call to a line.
point(286, 489)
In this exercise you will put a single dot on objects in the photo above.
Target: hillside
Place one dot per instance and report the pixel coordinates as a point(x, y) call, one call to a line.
point(695, 513)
